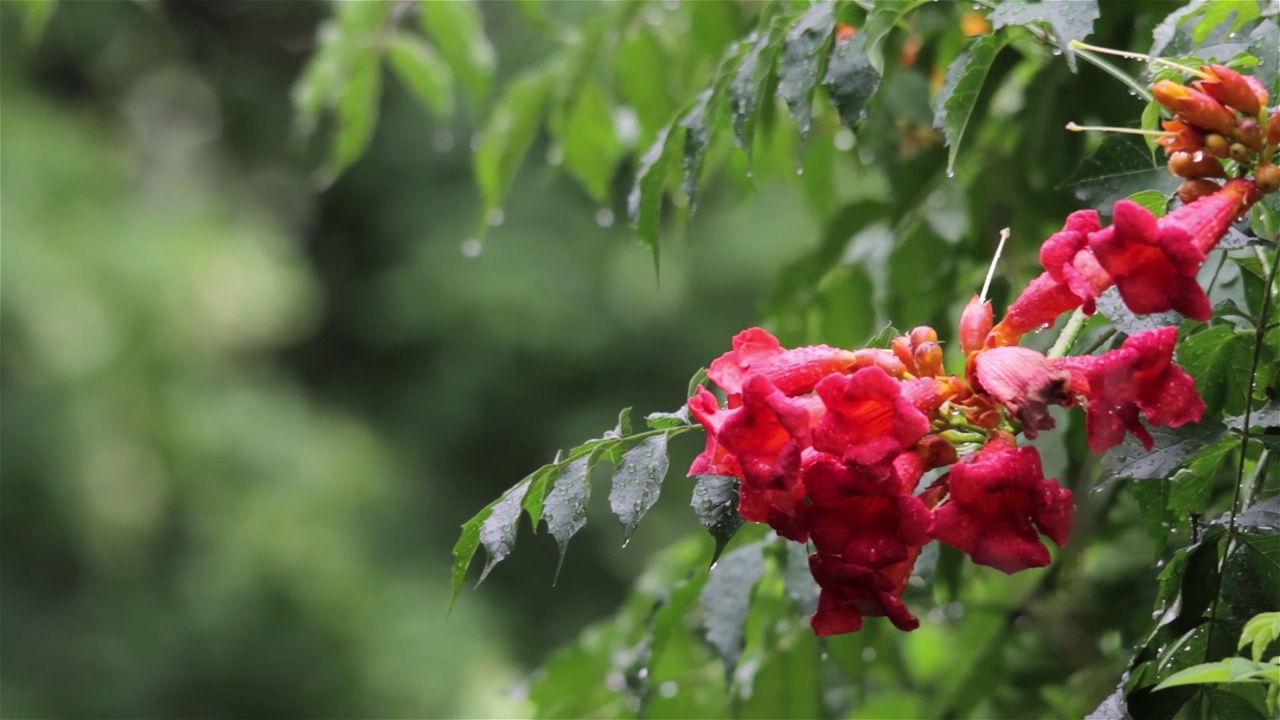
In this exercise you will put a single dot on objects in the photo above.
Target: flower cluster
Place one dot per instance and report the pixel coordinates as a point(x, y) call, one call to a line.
point(835, 447)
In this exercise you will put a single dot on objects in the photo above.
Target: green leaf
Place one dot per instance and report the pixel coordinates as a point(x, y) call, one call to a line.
point(1067, 20)
point(1260, 632)
point(1264, 44)
point(1226, 705)
point(1263, 515)
point(565, 507)
point(458, 31)
point(465, 549)
point(644, 203)
point(1220, 359)
point(498, 531)
point(695, 382)
point(637, 481)
point(851, 81)
point(510, 132)
point(640, 82)
point(1174, 447)
point(1112, 307)
point(804, 54)
point(1154, 201)
point(954, 105)
point(1191, 487)
point(540, 483)
point(1264, 555)
point(665, 420)
point(1121, 166)
point(357, 110)
point(1215, 16)
point(749, 81)
point(591, 146)
point(1175, 37)
point(1196, 675)
point(1267, 416)
point(884, 16)
point(697, 121)
point(726, 600)
point(423, 72)
point(36, 16)
point(715, 500)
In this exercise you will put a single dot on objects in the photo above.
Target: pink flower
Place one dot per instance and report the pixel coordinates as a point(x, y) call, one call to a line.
point(1068, 260)
point(998, 498)
point(1154, 266)
point(868, 419)
point(794, 371)
point(1025, 382)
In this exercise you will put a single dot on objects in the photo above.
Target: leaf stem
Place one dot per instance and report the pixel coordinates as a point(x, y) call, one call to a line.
point(1069, 333)
point(1259, 339)
point(1102, 339)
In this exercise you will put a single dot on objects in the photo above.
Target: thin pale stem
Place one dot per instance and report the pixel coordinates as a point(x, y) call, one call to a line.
point(1078, 46)
point(1101, 340)
point(1073, 127)
point(1069, 333)
point(991, 271)
point(1115, 72)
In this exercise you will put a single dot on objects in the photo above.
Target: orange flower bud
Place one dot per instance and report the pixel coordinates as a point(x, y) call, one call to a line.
point(974, 23)
point(928, 356)
point(1182, 137)
point(901, 347)
point(1267, 178)
point(1198, 165)
point(1195, 107)
point(1229, 88)
point(1249, 133)
point(1238, 152)
point(1195, 188)
point(1216, 145)
point(1259, 91)
point(935, 452)
point(1273, 129)
point(923, 334)
point(975, 324)
point(844, 31)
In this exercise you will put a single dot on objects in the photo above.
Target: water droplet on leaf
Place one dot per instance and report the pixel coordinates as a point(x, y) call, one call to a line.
point(472, 247)
point(604, 217)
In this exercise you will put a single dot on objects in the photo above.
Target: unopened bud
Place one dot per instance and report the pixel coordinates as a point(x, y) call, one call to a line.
point(923, 334)
point(1194, 107)
point(935, 452)
point(928, 357)
point(1193, 189)
point(1273, 129)
point(1198, 165)
point(1238, 152)
point(1229, 88)
point(901, 347)
point(1181, 137)
point(975, 325)
point(1216, 145)
point(1267, 178)
point(1259, 91)
point(1249, 133)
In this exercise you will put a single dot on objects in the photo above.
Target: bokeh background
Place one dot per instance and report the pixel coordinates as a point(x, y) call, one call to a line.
point(244, 415)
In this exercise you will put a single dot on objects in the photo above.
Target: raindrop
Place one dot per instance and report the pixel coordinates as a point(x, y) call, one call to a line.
point(868, 654)
point(955, 610)
point(471, 247)
point(604, 217)
point(1057, 51)
point(1230, 35)
point(626, 124)
point(865, 156)
point(750, 173)
point(951, 173)
point(799, 169)
point(496, 217)
point(615, 681)
point(642, 673)
point(442, 141)
point(843, 139)
point(936, 615)
point(1198, 156)
point(824, 656)
point(555, 155)
point(668, 689)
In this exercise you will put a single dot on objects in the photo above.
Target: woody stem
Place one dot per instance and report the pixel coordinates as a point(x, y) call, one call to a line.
point(1069, 333)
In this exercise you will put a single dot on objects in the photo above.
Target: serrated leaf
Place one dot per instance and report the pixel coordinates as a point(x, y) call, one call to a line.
point(498, 531)
point(697, 121)
point(715, 500)
point(666, 420)
point(1267, 416)
point(1173, 448)
point(726, 600)
point(590, 142)
point(1121, 166)
point(644, 203)
point(423, 72)
point(1220, 359)
point(539, 483)
point(1067, 20)
point(511, 130)
point(804, 55)
point(695, 382)
point(748, 85)
point(623, 428)
point(1176, 37)
point(1191, 487)
point(1153, 201)
point(954, 105)
point(637, 482)
point(1264, 44)
point(565, 507)
point(465, 549)
point(851, 81)
point(1264, 556)
point(1263, 515)
point(881, 20)
point(458, 31)
point(1112, 307)
point(884, 337)
point(357, 110)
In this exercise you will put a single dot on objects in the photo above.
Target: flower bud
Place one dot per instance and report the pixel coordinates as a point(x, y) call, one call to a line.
point(1198, 165)
point(928, 357)
point(901, 347)
point(1230, 88)
point(1238, 152)
point(1273, 129)
point(1216, 145)
point(1195, 188)
point(1259, 91)
point(1249, 133)
point(975, 325)
point(1194, 107)
point(923, 334)
point(1267, 178)
point(1181, 137)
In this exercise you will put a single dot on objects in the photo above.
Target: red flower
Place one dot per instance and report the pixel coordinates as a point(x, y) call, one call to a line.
point(1154, 266)
point(1039, 305)
point(851, 592)
point(794, 371)
point(1140, 375)
point(998, 498)
point(1206, 220)
point(975, 325)
point(868, 419)
point(1066, 257)
point(1025, 382)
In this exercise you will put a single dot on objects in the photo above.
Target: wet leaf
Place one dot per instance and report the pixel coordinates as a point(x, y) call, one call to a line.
point(1113, 308)
point(357, 110)
point(726, 599)
point(1264, 44)
point(457, 29)
point(715, 500)
point(1263, 515)
point(1175, 36)
point(1220, 359)
point(1152, 200)
point(748, 84)
point(644, 203)
point(565, 507)
point(465, 549)
point(498, 531)
point(698, 122)
point(511, 130)
point(851, 81)
point(884, 16)
point(637, 481)
point(591, 146)
point(1121, 166)
point(1260, 632)
point(665, 420)
point(955, 103)
point(1267, 416)
point(804, 55)
point(1173, 448)
point(1191, 487)
point(1067, 20)
point(423, 72)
